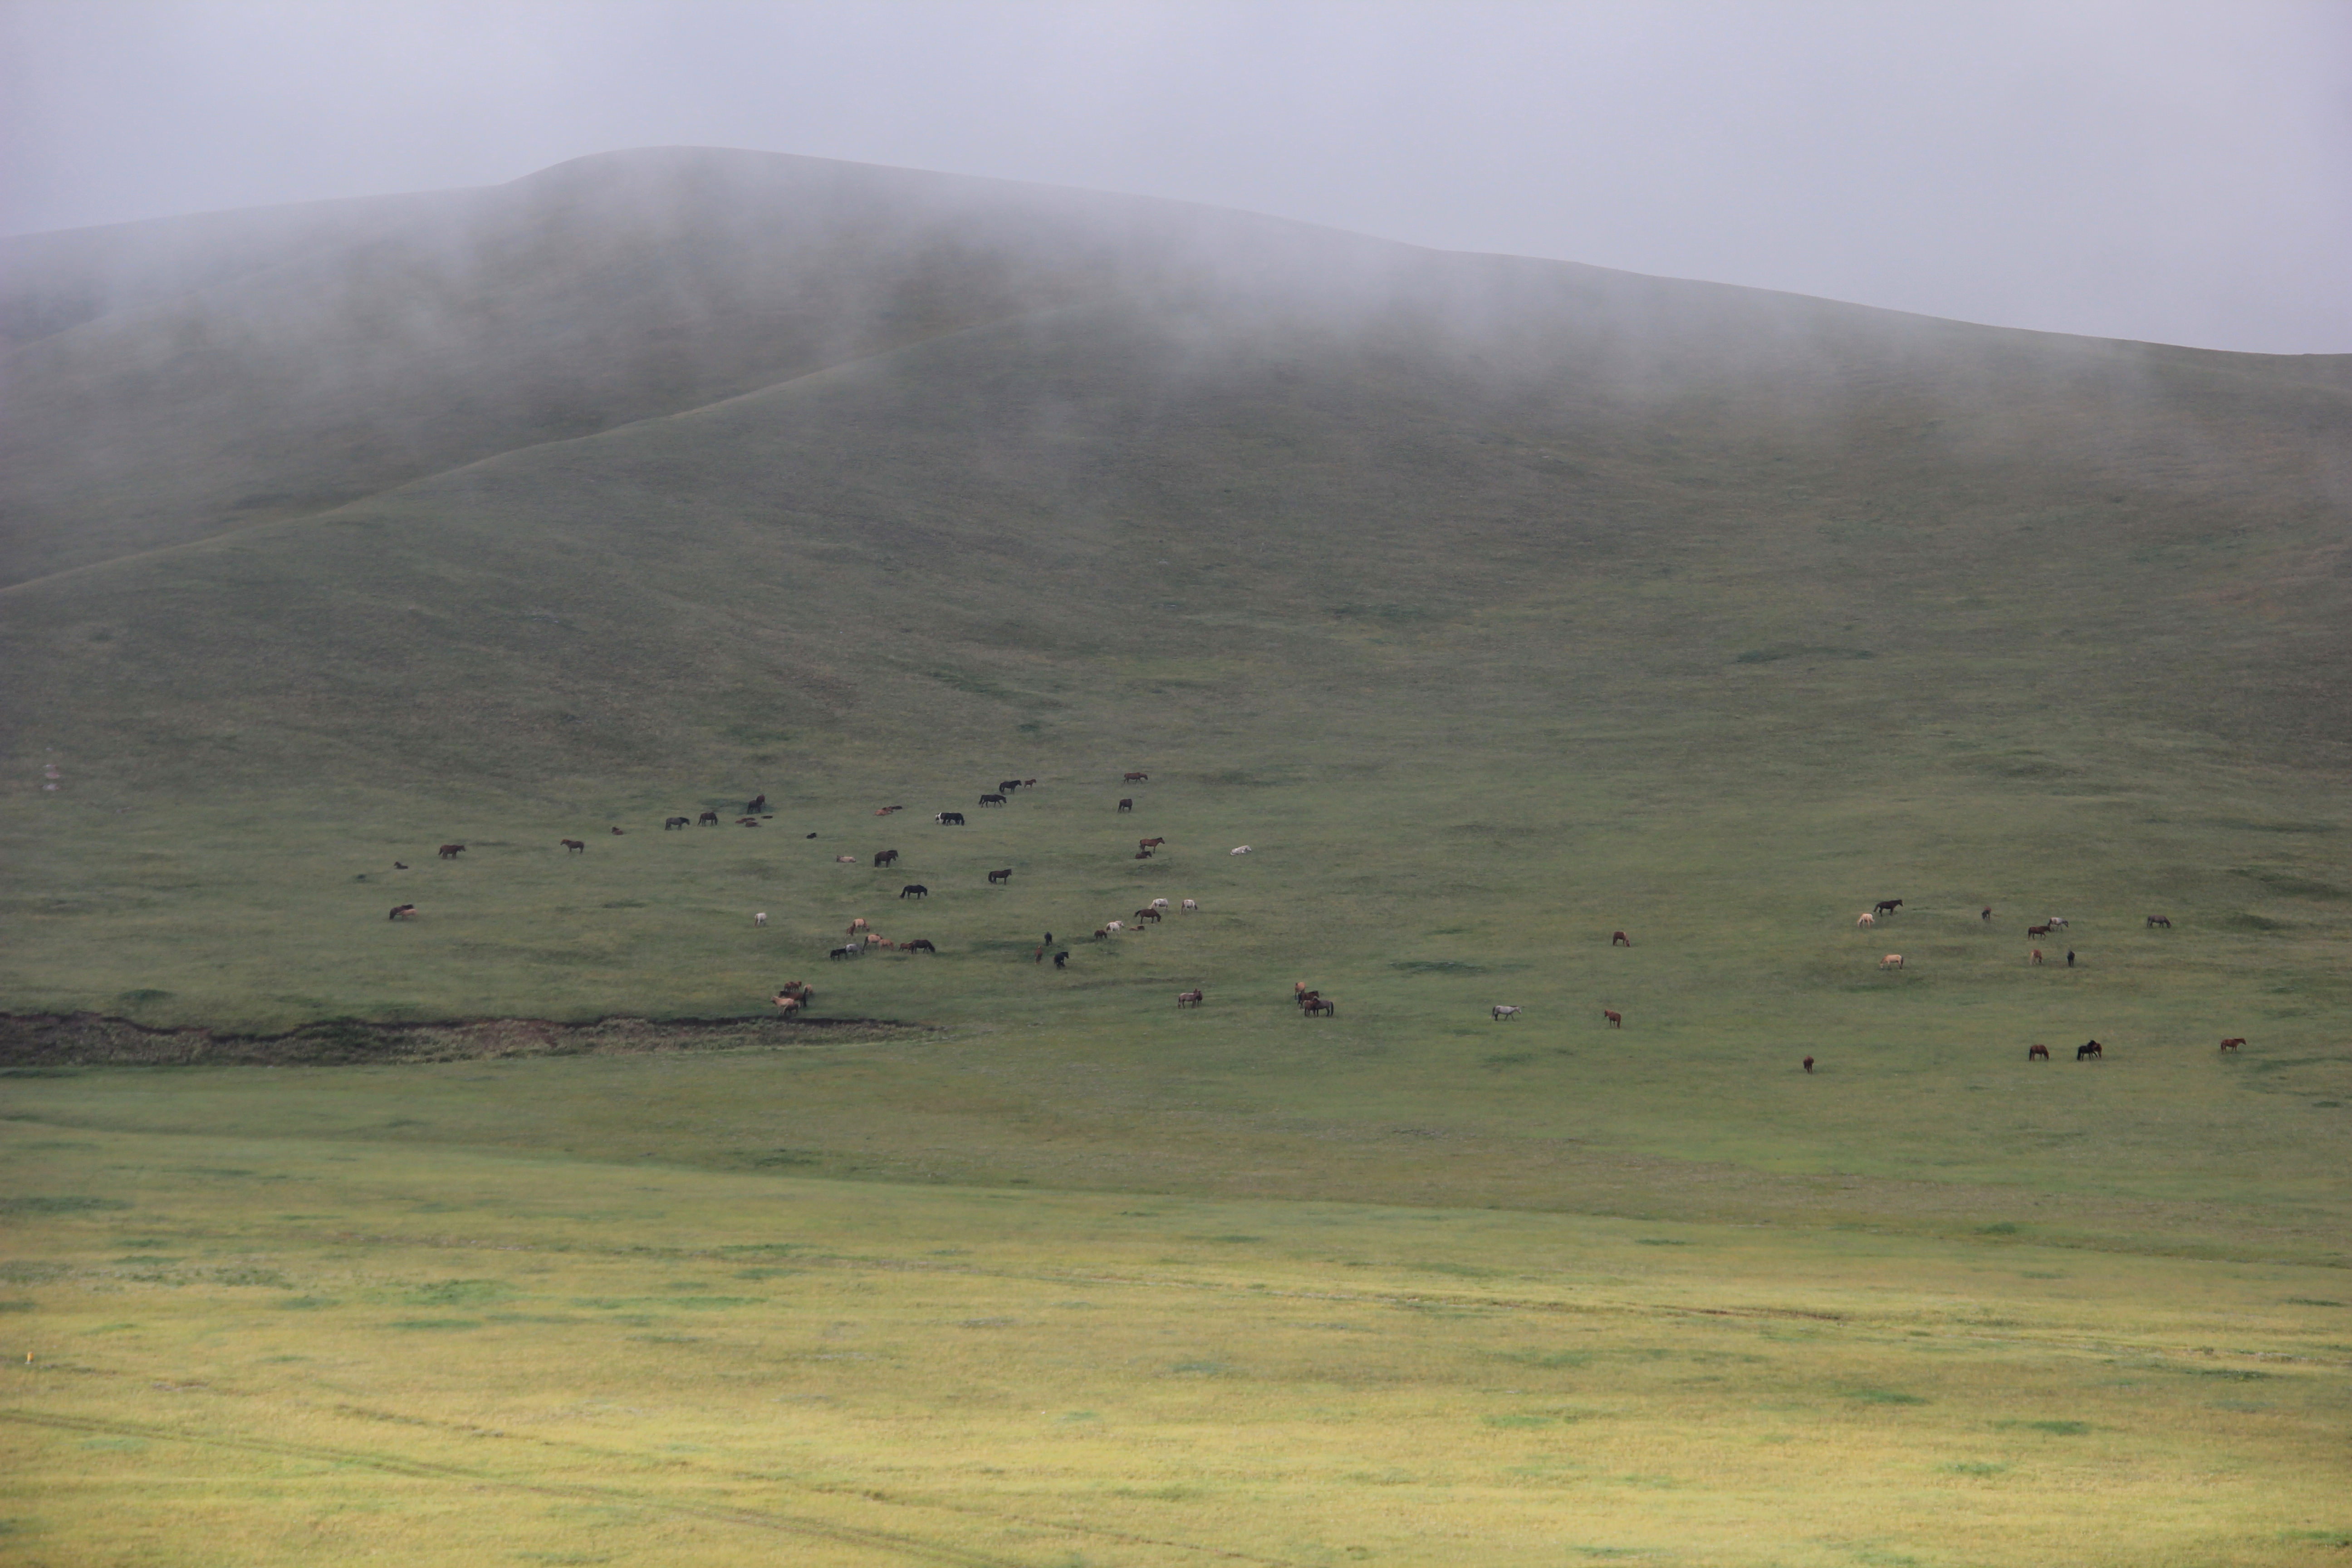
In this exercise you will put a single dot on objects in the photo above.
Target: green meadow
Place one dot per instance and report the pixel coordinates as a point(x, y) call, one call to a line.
point(1496, 606)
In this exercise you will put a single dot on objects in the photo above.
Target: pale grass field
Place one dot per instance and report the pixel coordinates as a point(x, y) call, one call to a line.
point(313, 1350)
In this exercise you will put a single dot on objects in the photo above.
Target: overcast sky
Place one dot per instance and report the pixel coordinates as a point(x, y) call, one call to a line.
point(2177, 172)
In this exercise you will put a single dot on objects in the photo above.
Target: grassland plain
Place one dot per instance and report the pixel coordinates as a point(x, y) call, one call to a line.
point(1496, 606)
point(307, 1350)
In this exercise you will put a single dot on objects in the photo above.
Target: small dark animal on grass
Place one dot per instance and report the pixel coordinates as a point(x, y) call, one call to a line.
point(739, 822)
point(2037, 930)
point(1985, 914)
point(852, 950)
point(2154, 920)
point(992, 799)
point(1143, 854)
point(1136, 778)
point(2037, 1053)
point(2070, 958)
point(575, 845)
point(1127, 806)
point(400, 865)
point(1188, 998)
point(1323, 1004)
point(451, 851)
point(1150, 842)
point(1007, 787)
point(949, 820)
point(708, 819)
point(885, 858)
point(1886, 906)
point(921, 944)
point(2231, 1044)
point(398, 910)
point(2090, 1048)
point(1619, 939)
point(1003, 876)
point(914, 891)
point(759, 804)
point(1061, 960)
point(1616, 1020)
point(673, 822)
point(1809, 1064)
point(617, 833)
point(887, 810)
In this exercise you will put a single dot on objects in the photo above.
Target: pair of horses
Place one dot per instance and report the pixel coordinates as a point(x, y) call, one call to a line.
point(2087, 1051)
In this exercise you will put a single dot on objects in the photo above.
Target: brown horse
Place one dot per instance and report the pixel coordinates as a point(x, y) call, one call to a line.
point(1619, 939)
point(400, 910)
point(1188, 998)
point(708, 819)
point(1150, 842)
point(575, 845)
point(2037, 930)
point(1127, 806)
point(1809, 1064)
point(451, 851)
point(1143, 854)
point(2036, 956)
point(2232, 1043)
point(617, 833)
point(2155, 920)
point(885, 858)
point(1136, 778)
point(1616, 1020)
point(1324, 1006)
point(1146, 914)
point(994, 878)
point(2037, 1053)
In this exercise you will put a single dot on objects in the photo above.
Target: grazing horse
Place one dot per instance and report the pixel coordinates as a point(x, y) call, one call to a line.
point(451, 851)
point(574, 846)
point(914, 891)
point(1322, 1005)
point(1616, 1020)
point(2035, 957)
point(1891, 960)
point(670, 822)
point(760, 918)
point(1191, 905)
point(1061, 959)
point(1159, 903)
point(1112, 928)
point(400, 910)
point(708, 819)
point(1136, 778)
point(949, 820)
point(1147, 913)
point(996, 877)
point(1188, 998)
point(1503, 1011)
point(992, 799)
point(788, 1006)
point(1985, 914)
point(1866, 920)
point(759, 804)
point(2090, 1048)
point(1619, 939)
point(1008, 786)
point(921, 944)
point(1886, 906)
point(2231, 1044)
point(885, 858)
point(2037, 930)
point(852, 950)
point(858, 925)
point(1809, 1064)
point(1128, 804)
point(887, 810)
point(2154, 920)
point(2037, 1053)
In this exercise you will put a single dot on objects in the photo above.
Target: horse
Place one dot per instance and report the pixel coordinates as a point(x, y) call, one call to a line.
point(2035, 957)
point(739, 822)
point(914, 891)
point(1159, 903)
point(400, 910)
point(617, 833)
point(2090, 1048)
point(400, 865)
point(1006, 786)
point(996, 877)
point(992, 799)
point(1866, 920)
point(759, 804)
point(1809, 1064)
point(1150, 842)
point(451, 851)
point(1112, 928)
point(2037, 1053)
point(1322, 1005)
point(921, 944)
point(845, 859)
point(1143, 854)
point(2155, 920)
point(1242, 850)
point(1136, 778)
point(949, 820)
point(1188, 998)
point(858, 925)
point(849, 952)
point(1985, 914)
point(574, 846)
point(798, 990)
point(2037, 930)
point(1616, 1020)
point(1503, 1011)
point(1619, 939)
point(1891, 960)
point(760, 918)
point(1127, 806)
point(2057, 923)
point(1147, 913)
point(887, 810)
point(885, 858)
point(708, 819)
point(2231, 1044)
point(1191, 905)
point(1061, 958)
point(1886, 906)
point(670, 822)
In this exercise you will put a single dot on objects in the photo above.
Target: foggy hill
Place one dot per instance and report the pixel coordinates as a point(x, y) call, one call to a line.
point(679, 455)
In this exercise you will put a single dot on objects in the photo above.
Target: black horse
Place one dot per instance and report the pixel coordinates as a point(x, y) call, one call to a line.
point(914, 891)
point(2089, 1049)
